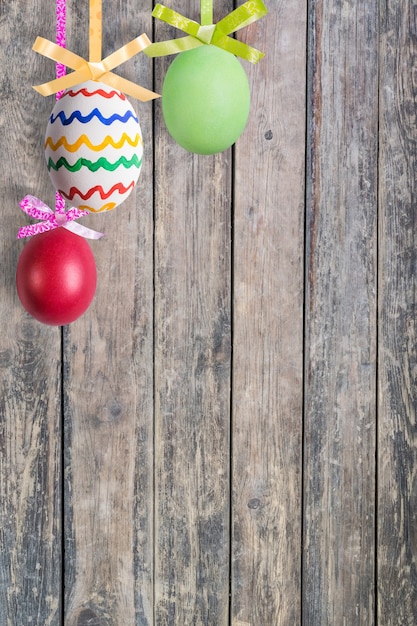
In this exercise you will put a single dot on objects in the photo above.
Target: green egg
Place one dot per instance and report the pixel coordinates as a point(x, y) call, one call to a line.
point(205, 99)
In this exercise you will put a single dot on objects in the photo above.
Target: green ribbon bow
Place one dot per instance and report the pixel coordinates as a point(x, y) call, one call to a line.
point(207, 32)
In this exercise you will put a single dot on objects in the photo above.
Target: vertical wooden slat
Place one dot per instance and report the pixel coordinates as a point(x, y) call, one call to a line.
point(268, 327)
point(30, 353)
point(339, 548)
point(192, 377)
point(397, 440)
point(109, 385)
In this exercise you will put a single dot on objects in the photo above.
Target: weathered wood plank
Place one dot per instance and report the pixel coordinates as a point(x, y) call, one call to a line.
point(192, 375)
point(397, 441)
point(268, 327)
point(30, 354)
point(339, 531)
point(109, 385)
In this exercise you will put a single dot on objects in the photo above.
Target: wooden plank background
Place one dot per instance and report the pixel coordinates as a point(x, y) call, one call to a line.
point(227, 437)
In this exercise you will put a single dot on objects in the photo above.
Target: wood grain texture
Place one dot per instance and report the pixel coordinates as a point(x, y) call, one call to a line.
point(268, 328)
point(109, 386)
point(30, 354)
point(182, 455)
point(339, 491)
point(192, 375)
point(397, 442)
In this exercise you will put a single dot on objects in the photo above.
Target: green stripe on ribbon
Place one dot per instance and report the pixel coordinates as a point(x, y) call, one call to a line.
point(207, 33)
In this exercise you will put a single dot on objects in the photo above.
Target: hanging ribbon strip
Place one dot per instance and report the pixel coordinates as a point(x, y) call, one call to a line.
point(61, 36)
point(208, 33)
point(96, 68)
point(61, 40)
point(37, 209)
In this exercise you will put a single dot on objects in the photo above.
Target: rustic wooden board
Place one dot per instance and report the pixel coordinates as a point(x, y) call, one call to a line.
point(108, 367)
point(339, 492)
point(214, 466)
point(30, 354)
point(268, 328)
point(397, 441)
point(192, 374)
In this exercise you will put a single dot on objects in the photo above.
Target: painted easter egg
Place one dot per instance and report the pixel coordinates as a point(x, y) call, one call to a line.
point(205, 99)
point(93, 146)
point(56, 277)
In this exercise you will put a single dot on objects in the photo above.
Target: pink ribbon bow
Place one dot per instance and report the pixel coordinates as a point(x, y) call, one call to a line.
point(39, 210)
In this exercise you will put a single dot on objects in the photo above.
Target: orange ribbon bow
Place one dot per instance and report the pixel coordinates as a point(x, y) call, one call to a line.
point(96, 68)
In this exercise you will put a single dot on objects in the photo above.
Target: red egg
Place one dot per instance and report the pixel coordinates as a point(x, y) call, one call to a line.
point(56, 277)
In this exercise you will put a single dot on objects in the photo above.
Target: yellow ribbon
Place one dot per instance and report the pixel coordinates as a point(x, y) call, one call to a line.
point(208, 33)
point(96, 68)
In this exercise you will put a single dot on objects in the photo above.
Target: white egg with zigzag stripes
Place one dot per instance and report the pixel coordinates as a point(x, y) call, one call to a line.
point(94, 146)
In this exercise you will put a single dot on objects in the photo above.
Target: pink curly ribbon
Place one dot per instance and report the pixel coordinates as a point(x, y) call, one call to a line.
point(61, 70)
point(37, 209)
point(61, 37)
